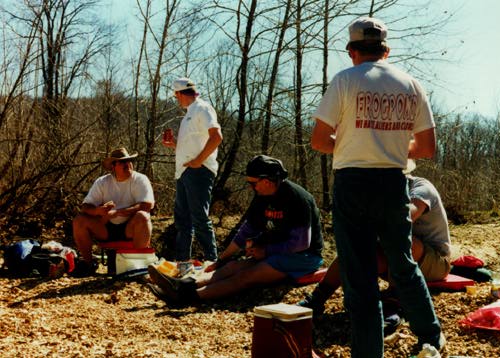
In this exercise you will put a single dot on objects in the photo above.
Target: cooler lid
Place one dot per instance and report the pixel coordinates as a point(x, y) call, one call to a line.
point(283, 311)
point(127, 250)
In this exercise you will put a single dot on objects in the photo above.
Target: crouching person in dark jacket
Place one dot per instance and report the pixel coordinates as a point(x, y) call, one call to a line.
point(281, 238)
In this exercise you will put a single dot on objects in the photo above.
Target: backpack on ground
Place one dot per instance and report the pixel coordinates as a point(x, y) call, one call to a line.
point(29, 258)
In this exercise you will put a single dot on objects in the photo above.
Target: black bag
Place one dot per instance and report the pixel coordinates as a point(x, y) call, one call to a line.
point(17, 256)
point(28, 258)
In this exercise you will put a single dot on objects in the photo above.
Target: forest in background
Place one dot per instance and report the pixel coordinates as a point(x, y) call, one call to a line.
point(69, 94)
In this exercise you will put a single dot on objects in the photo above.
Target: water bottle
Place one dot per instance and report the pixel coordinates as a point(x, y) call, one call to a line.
point(495, 284)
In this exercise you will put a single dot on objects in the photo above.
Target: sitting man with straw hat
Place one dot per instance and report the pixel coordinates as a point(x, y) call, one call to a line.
point(117, 207)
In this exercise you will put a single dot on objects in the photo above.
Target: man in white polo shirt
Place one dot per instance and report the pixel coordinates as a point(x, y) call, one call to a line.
point(195, 170)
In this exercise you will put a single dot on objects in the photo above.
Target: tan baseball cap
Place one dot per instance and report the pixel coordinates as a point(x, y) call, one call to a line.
point(367, 29)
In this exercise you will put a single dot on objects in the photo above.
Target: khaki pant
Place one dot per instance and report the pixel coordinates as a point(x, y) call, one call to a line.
point(433, 265)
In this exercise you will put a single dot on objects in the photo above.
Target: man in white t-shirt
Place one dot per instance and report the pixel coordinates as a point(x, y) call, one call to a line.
point(195, 169)
point(117, 207)
point(372, 118)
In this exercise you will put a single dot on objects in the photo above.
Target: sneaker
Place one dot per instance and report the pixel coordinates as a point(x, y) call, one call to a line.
point(391, 323)
point(185, 268)
point(308, 302)
point(429, 351)
point(84, 269)
point(438, 347)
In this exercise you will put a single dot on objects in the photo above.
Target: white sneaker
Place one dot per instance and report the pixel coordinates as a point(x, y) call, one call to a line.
point(429, 351)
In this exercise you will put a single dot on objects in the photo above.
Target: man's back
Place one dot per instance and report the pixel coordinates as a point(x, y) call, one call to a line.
point(375, 109)
point(432, 226)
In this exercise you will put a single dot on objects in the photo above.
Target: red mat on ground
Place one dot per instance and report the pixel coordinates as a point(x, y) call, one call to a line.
point(313, 277)
point(451, 282)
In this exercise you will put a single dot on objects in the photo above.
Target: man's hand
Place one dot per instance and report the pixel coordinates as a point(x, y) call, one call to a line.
point(257, 252)
point(212, 267)
point(170, 144)
point(195, 163)
point(118, 212)
point(105, 209)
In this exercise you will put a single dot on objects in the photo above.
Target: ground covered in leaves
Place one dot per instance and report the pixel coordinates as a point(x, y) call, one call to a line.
point(103, 317)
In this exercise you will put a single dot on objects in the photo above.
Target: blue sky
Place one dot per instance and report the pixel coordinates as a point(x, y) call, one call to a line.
point(469, 80)
point(474, 73)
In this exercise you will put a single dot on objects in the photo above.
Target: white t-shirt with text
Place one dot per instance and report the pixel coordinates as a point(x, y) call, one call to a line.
point(375, 108)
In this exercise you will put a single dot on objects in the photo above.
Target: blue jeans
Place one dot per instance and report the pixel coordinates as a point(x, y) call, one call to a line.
point(371, 204)
point(192, 204)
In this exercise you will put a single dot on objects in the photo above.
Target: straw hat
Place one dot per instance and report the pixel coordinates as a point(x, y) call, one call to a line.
point(117, 155)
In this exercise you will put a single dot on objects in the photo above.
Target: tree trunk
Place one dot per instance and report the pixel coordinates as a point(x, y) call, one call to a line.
point(268, 105)
point(300, 151)
point(242, 91)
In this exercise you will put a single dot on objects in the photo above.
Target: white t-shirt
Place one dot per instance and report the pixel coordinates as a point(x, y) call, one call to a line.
point(136, 189)
point(432, 226)
point(374, 108)
point(193, 135)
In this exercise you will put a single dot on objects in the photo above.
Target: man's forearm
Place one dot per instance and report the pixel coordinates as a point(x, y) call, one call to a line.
point(142, 206)
point(231, 250)
point(90, 210)
point(213, 142)
point(323, 137)
point(423, 145)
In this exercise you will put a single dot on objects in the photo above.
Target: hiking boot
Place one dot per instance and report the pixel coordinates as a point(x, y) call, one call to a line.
point(309, 302)
point(170, 296)
point(173, 290)
point(391, 323)
point(84, 268)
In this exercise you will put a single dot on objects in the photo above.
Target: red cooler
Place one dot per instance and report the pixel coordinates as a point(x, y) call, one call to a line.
point(282, 331)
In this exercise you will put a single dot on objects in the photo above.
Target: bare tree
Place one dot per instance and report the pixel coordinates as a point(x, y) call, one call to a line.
point(244, 44)
point(60, 45)
point(268, 105)
point(154, 70)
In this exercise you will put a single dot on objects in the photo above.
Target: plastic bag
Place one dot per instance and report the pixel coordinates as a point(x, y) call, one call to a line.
point(487, 317)
point(468, 261)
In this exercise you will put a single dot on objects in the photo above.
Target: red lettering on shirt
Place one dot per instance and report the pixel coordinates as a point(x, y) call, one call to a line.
point(383, 111)
point(273, 214)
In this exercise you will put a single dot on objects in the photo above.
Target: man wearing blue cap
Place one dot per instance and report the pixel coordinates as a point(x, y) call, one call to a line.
point(281, 238)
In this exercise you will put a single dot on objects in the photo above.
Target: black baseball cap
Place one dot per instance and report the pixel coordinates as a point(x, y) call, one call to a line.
point(263, 166)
